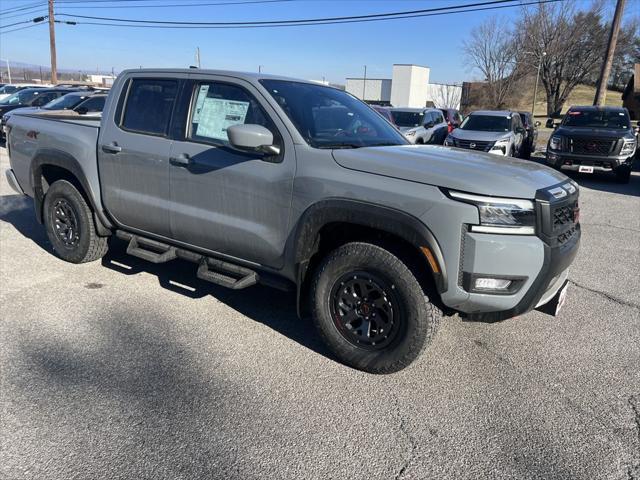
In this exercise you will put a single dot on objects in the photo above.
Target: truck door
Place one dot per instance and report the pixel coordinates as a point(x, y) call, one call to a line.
point(133, 154)
point(224, 200)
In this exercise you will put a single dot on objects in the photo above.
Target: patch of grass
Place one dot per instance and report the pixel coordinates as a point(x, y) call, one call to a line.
point(581, 95)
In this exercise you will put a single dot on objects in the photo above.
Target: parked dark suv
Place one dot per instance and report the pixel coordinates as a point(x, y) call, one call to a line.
point(453, 117)
point(594, 139)
point(531, 127)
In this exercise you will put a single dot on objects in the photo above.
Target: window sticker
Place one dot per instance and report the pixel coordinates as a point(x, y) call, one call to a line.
point(202, 94)
point(216, 115)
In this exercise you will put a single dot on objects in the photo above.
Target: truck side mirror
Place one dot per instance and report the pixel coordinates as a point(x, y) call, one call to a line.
point(252, 138)
point(82, 110)
point(429, 125)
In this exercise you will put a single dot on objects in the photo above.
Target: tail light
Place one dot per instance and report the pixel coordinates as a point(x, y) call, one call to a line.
point(449, 127)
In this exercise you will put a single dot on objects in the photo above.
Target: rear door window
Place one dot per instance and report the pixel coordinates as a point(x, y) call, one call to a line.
point(149, 105)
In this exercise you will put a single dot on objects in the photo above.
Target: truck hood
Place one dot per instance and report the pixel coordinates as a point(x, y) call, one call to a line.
point(478, 135)
point(611, 133)
point(457, 169)
point(24, 110)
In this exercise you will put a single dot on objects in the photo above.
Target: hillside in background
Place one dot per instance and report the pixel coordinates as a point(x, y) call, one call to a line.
point(581, 95)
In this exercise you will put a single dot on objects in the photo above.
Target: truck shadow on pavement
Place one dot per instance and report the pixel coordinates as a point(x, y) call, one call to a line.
point(273, 308)
point(18, 211)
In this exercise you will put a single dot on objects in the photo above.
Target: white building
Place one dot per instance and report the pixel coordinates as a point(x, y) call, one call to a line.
point(408, 87)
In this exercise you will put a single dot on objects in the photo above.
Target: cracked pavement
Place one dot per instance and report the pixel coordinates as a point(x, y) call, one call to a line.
point(123, 369)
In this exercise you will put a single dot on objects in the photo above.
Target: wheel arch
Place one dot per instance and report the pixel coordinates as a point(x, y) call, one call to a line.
point(332, 222)
point(49, 166)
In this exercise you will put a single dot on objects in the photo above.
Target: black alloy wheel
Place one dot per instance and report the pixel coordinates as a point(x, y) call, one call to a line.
point(66, 223)
point(365, 311)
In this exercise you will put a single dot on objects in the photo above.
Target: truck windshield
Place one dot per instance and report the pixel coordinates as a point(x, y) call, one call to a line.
point(597, 119)
point(486, 123)
point(407, 119)
point(65, 102)
point(330, 118)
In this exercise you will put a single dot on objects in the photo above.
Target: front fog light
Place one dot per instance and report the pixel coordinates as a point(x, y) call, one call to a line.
point(483, 283)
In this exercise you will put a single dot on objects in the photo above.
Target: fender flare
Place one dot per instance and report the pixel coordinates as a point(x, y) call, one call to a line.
point(64, 160)
point(379, 217)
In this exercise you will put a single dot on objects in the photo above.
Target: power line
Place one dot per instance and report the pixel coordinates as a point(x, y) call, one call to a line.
point(23, 7)
point(33, 20)
point(175, 5)
point(21, 14)
point(22, 28)
point(308, 20)
point(234, 26)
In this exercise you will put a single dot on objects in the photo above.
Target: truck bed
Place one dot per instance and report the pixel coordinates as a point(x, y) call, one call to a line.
point(33, 135)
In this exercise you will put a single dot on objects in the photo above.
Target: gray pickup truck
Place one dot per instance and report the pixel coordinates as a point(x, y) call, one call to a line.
point(263, 179)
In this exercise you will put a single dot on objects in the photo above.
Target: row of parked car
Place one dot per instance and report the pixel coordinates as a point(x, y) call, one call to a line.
point(71, 100)
point(507, 133)
point(588, 139)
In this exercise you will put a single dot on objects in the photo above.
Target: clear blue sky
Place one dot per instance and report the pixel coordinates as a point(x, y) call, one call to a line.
point(313, 52)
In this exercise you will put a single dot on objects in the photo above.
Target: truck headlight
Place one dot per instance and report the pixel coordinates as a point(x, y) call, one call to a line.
point(512, 216)
point(449, 141)
point(628, 147)
point(555, 142)
point(500, 146)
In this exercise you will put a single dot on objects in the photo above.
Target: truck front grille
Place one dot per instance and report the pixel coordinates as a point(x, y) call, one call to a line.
point(564, 215)
point(473, 145)
point(591, 146)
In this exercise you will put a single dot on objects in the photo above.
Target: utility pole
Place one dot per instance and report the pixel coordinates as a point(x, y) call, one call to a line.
point(601, 92)
point(198, 56)
point(364, 84)
point(259, 68)
point(9, 70)
point(535, 89)
point(52, 45)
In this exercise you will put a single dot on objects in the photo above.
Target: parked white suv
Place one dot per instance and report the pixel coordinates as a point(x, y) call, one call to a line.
point(497, 132)
point(421, 125)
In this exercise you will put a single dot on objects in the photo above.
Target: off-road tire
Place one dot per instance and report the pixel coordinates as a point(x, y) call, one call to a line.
point(88, 246)
point(417, 317)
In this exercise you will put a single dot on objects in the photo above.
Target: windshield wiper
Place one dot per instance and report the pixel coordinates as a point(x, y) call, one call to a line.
point(336, 146)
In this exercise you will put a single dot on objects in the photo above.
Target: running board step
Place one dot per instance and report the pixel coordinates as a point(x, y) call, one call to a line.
point(226, 274)
point(150, 250)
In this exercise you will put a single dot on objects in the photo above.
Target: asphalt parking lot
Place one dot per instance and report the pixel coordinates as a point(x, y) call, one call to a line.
point(122, 369)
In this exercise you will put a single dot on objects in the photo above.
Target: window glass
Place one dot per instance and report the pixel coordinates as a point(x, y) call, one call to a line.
point(218, 106)
point(149, 105)
point(437, 118)
point(330, 118)
point(486, 123)
point(65, 102)
point(44, 98)
point(93, 104)
point(597, 118)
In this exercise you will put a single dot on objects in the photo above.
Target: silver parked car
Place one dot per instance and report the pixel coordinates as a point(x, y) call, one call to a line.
point(421, 125)
point(497, 132)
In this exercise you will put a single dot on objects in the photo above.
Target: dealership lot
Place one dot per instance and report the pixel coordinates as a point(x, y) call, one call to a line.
point(125, 369)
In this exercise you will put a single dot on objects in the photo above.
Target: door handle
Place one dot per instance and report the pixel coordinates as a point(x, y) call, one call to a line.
point(182, 160)
point(111, 148)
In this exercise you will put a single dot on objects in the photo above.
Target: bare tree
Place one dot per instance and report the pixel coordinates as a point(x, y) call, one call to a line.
point(568, 43)
point(445, 95)
point(493, 51)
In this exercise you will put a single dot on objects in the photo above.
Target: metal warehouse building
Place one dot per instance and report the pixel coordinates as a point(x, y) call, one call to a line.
point(408, 87)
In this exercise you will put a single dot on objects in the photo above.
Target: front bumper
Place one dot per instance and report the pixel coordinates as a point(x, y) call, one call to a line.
point(600, 163)
point(540, 263)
